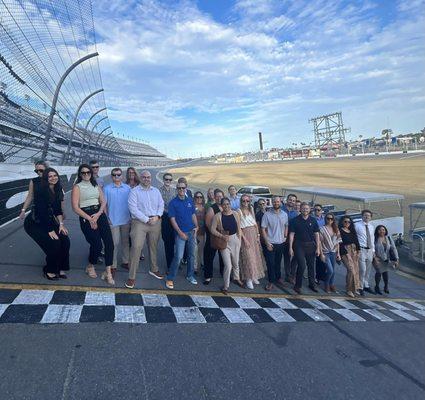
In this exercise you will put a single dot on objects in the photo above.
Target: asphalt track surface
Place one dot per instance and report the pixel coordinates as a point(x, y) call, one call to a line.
point(298, 360)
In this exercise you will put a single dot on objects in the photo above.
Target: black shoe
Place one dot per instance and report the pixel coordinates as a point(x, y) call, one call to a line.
point(361, 291)
point(207, 281)
point(377, 291)
point(369, 290)
point(386, 290)
point(50, 278)
point(63, 276)
point(313, 288)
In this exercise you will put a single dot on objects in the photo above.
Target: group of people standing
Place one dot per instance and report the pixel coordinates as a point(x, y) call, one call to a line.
point(117, 219)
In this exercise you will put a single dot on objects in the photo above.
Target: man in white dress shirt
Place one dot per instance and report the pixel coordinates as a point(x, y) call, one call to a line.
point(365, 233)
point(146, 207)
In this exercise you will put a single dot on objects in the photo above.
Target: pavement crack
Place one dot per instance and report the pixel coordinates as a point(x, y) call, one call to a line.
point(68, 376)
point(379, 358)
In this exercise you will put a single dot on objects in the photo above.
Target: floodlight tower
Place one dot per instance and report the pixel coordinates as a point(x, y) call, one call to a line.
point(329, 130)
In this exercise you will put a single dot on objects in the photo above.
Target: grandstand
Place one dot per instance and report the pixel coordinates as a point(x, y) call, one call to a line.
point(52, 103)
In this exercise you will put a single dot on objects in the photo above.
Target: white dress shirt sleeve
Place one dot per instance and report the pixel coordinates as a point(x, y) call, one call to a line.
point(160, 209)
point(134, 209)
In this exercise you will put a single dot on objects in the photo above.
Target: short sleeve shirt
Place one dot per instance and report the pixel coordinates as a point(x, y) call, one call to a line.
point(304, 229)
point(182, 211)
point(275, 224)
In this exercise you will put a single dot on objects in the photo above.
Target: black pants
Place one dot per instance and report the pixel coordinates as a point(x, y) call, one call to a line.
point(290, 263)
point(305, 254)
point(378, 279)
point(273, 261)
point(168, 234)
point(209, 254)
point(57, 251)
point(95, 237)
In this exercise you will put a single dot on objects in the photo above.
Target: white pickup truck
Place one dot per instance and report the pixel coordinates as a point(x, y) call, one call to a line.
point(256, 193)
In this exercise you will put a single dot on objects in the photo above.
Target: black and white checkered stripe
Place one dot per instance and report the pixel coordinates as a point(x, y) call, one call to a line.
point(60, 306)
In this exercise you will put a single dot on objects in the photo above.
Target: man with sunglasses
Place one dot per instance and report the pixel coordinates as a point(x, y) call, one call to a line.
point(167, 232)
point(146, 208)
point(182, 213)
point(116, 194)
point(318, 215)
point(290, 262)
point(94, 164)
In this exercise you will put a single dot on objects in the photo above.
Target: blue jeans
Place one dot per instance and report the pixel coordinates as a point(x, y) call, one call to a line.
point(330, 268)
point(179, 245)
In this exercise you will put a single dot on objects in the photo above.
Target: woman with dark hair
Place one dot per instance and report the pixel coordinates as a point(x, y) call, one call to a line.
point(39, 168)
point(89, 203)
point(226, 225)
point(386, 257)
point(132, 177)
point(200, 234)
point(349, 250)
point(251, 264)
point(45, 224)
point(329, 254)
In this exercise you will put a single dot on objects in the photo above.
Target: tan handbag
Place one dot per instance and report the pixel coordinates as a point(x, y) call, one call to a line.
point(218, 243)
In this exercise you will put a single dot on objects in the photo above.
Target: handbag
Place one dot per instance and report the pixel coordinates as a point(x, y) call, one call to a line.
point(218, 243)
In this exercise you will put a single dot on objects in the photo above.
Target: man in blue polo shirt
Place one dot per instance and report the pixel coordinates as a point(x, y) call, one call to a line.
point(116, 194)
point(181, 211)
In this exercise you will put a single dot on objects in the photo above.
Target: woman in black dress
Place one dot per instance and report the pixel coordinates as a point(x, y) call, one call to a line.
point(45, 224)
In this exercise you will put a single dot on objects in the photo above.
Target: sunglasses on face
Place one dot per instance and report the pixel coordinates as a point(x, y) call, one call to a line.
point(199, 197)
point(347, 222)
point(116, 175)
point(85, 172)
point(167, 180)
point(181, 187)
point(245, 201)
point(95, 167)
point(317, 209)
point(329, 218)
point(39, 171)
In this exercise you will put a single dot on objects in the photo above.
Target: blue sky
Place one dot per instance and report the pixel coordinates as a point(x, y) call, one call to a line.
point(203, 77)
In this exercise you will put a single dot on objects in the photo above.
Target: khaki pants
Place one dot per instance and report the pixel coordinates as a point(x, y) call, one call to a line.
point(231, 259)
point(121, 235)
point(365, 266)
point(138, 233)
point(351, 262)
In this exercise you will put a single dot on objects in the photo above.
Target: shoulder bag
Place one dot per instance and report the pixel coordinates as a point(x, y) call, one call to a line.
point(218, 243)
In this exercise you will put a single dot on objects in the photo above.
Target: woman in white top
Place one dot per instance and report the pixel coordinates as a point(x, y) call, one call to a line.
point(89, 203)
point(329, 240)
point(251, 263)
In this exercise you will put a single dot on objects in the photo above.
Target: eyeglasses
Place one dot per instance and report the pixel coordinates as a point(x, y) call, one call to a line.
point(317, 209)
point(330, 218)
point(146, 177)
point(199, 197)
point(168, 180)
point(181, 187)
point(116, 175)
point(346, 221)
point(85, 172)
point(39, 171)
point(245, 201)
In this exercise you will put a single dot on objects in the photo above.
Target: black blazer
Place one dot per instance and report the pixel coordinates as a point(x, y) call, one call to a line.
point(46, 206)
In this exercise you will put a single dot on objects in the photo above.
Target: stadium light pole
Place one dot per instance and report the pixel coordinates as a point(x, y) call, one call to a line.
point(55, 101)
point(86, 129)
point(68, 149)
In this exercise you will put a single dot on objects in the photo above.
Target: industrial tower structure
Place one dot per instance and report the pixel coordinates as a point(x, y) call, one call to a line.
point(329, 130)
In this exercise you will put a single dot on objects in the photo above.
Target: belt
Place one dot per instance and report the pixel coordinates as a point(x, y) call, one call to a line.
point(90, 208)
point(151, 216)
point(366, 248)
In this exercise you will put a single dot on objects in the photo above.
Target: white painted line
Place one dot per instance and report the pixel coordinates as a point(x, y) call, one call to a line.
point(417, 305)
point(420, 312)
point(318, 304)
point(246, 302)
point(316, 314)
point(349, 315)
point(130, 314)
point(155, 300)
point(237, 315)
point(346, 304)
point(204, 301)
point(3, 308)
point(99, 299)
point(405, 315)
point(372, 304)
point(62, 314)
point(188, 315)
point(34, 297)
point(377, 314)
point(396, 305)
point(283, 303)
point(279, 315)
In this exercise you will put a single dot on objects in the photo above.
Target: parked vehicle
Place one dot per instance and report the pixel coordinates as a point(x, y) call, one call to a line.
point(256, 193)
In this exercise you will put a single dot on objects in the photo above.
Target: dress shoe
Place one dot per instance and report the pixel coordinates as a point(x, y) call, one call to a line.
point(313, 288)
point(386, 290)
point(297, 290)
point(369, 290)
point(332, 288)
point(377, 290)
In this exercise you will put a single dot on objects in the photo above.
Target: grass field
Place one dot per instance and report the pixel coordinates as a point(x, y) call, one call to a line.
point(401, 174)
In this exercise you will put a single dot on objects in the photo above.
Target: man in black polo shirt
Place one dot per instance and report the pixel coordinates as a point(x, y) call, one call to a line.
point(304, 244)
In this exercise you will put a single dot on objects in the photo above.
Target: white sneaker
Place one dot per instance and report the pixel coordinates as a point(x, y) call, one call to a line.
point(255, 281)
point(249, 284)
